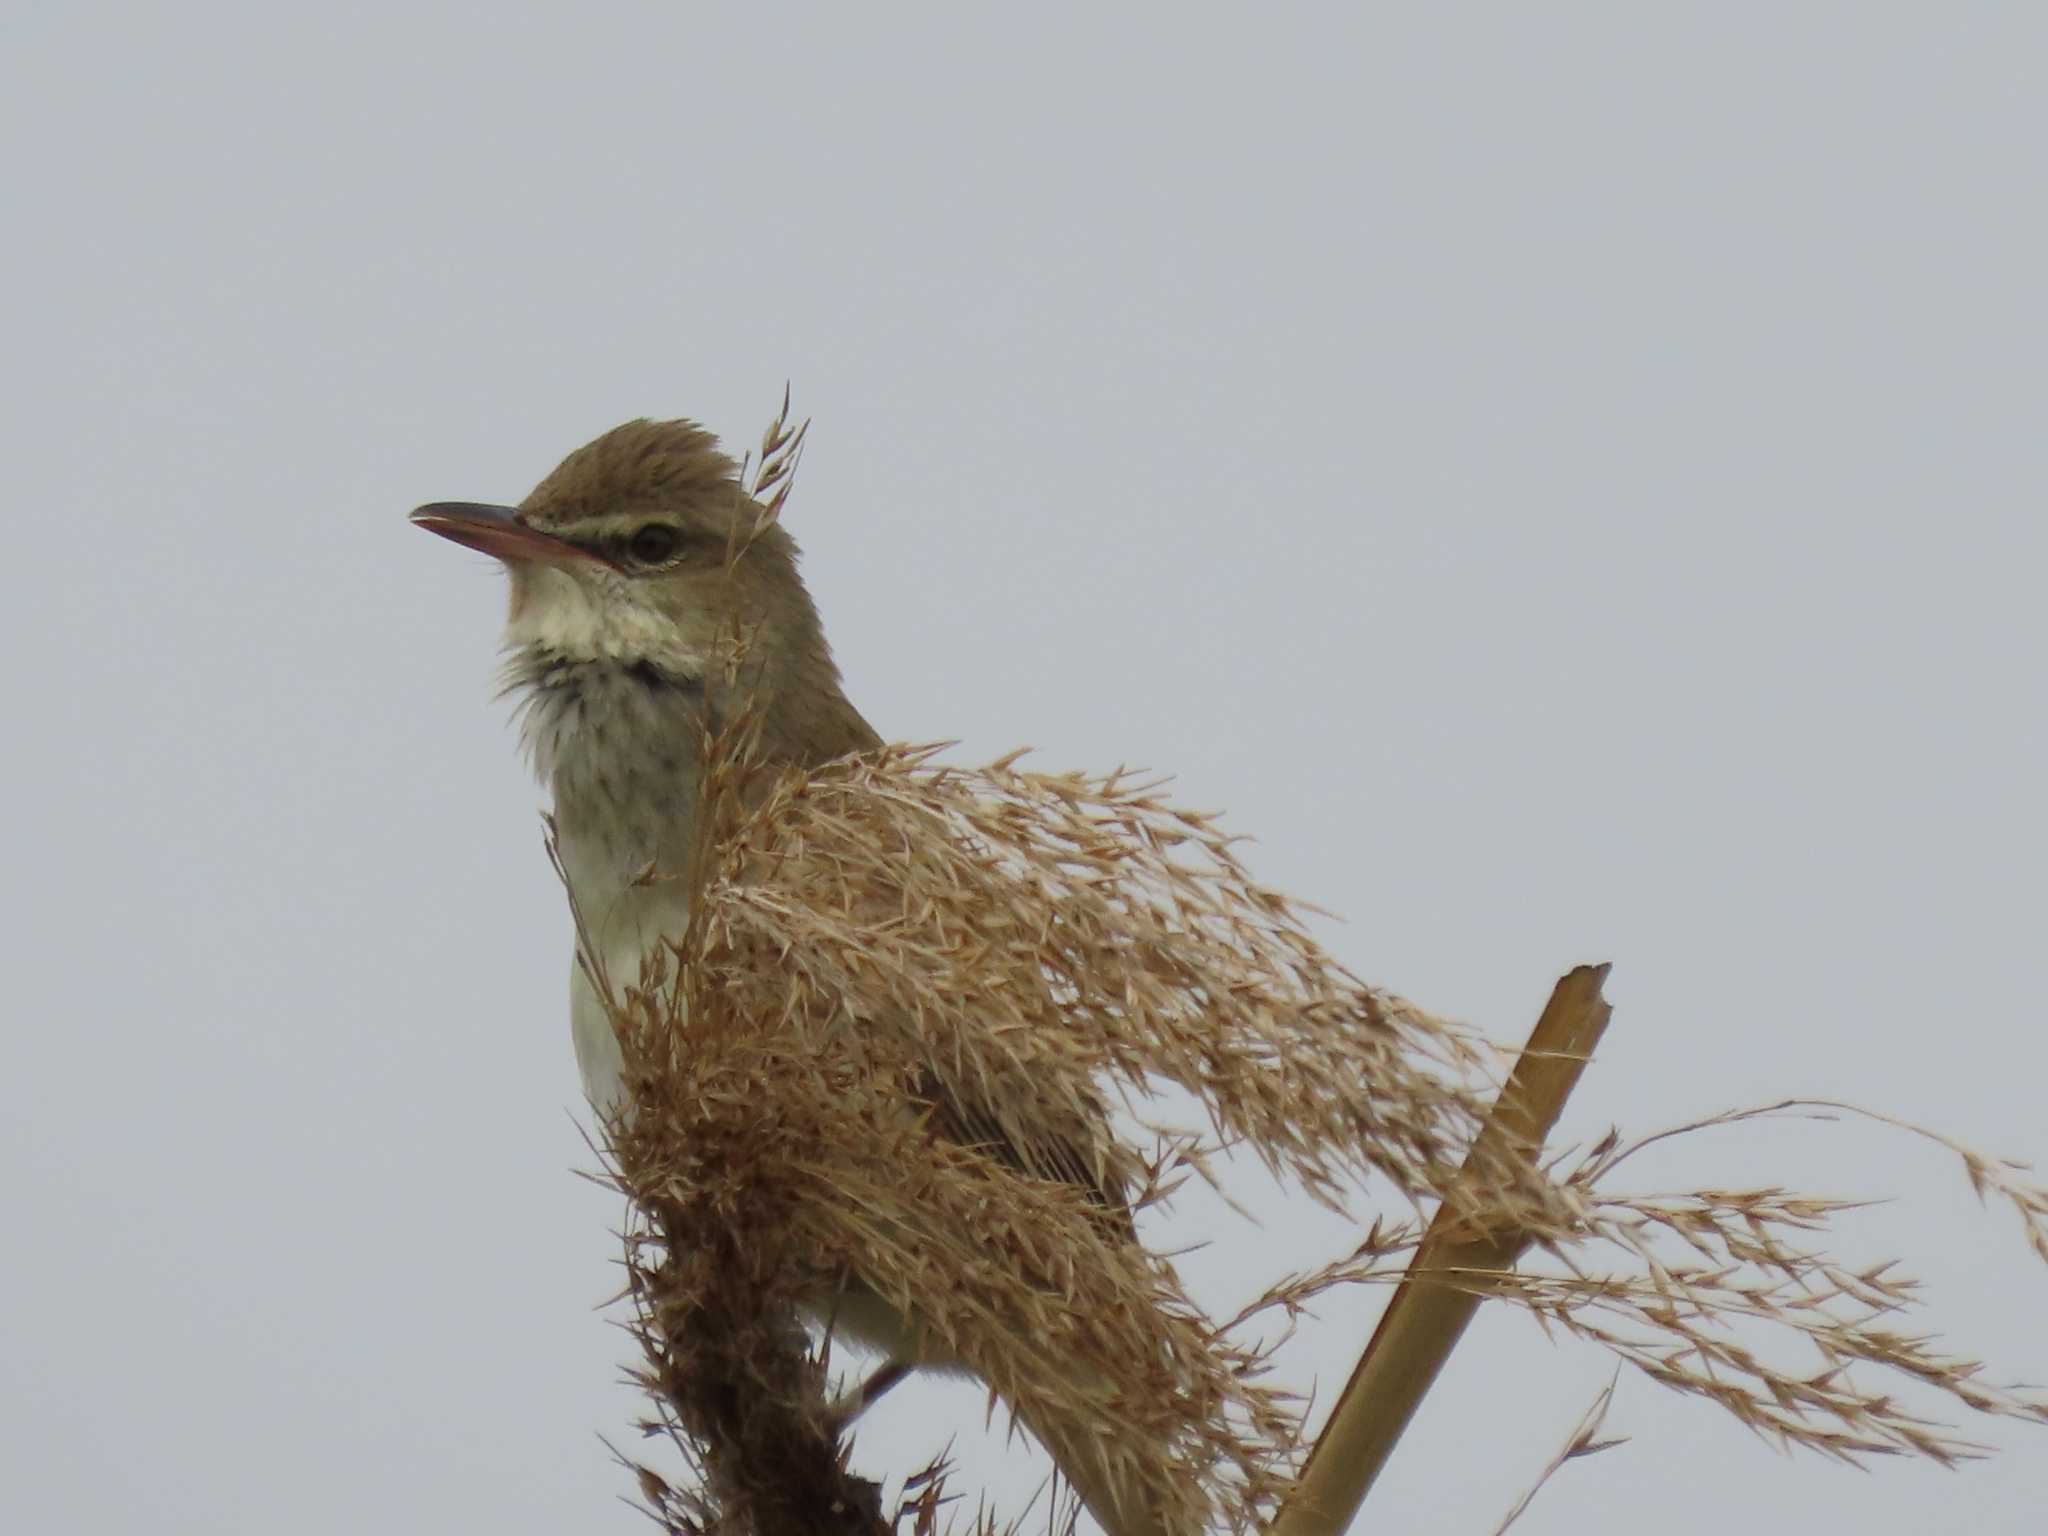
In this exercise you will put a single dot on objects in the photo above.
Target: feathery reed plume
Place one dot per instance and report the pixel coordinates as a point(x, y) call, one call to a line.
point(878, 942)
point(1583, 1441)
point(864, 926)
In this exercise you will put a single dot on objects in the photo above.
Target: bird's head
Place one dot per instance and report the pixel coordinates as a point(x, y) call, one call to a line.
point(642, 549)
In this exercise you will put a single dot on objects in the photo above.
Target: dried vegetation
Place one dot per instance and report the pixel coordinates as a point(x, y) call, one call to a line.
point(909, 993)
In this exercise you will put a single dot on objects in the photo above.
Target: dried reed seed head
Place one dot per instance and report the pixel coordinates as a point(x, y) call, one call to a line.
point(1029, 937)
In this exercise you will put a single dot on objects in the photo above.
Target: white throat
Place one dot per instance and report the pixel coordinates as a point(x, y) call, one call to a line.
point(590, 614)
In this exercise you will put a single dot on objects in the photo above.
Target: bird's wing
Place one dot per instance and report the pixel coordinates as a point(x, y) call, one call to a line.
point(1058, 1158)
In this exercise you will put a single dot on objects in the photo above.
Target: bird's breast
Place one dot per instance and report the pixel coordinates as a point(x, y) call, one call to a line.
point(623, 758)
point(627, 913)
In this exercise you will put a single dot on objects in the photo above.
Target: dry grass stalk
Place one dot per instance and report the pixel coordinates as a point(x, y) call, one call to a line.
point(1424, 1321)
point(772, 476)
point(1583, 1441)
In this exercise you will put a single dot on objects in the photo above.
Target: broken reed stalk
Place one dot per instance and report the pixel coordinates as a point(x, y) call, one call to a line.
point(1424, 1321)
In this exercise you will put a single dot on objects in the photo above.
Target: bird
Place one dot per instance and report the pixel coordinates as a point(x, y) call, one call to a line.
point(632, 564)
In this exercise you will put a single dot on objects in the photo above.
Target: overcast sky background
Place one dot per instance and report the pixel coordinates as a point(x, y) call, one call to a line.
point(1570, 484)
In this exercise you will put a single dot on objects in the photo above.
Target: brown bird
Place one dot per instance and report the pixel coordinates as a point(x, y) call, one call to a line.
point(632, 566)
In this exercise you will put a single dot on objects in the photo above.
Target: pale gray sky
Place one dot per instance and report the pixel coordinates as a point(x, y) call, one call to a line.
point(1570, 484)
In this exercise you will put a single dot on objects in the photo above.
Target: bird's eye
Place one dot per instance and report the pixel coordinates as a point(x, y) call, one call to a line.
point(654, 543)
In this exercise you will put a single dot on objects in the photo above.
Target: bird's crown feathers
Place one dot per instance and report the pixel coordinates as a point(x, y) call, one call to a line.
point(644, 466)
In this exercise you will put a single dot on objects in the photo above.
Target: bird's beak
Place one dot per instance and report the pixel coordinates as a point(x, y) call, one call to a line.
point(498, 531)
